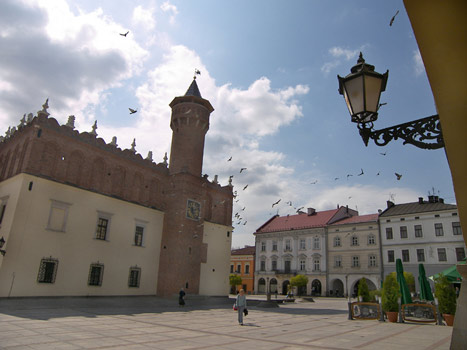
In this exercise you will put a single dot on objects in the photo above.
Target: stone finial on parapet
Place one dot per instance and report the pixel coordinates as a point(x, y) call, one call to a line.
point(71, 122)
point(230, 180)
point(30, 118)
point(22, 121)
point(44, 109)
point(133, 146)
point(114, 141)
point(149, 157)
point(165, 159)
point(94, 128)
point(215, 181)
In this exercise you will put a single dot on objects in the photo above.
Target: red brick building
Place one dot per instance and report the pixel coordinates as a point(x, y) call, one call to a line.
point(189, 234)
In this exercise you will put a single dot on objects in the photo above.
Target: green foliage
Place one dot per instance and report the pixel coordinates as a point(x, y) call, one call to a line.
point(374, 293)
point(299, 281)
point(409, 278)
point(446, 295)
point(235, 280)
point(391, 292)
point(363, 290)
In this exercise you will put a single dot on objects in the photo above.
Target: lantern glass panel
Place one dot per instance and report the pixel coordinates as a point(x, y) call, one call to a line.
point(353, 94)
point(373, 92)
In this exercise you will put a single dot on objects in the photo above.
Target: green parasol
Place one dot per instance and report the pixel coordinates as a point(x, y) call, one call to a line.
point(425, 289)
point(451, 273)
point(405, 292)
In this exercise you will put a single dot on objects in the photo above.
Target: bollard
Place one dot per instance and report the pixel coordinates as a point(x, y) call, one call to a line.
point(440, 318)
point(381, 314)
point(400, 311)
point(350, 309)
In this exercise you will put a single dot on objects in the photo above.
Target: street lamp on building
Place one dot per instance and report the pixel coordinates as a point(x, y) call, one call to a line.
point(362, 90)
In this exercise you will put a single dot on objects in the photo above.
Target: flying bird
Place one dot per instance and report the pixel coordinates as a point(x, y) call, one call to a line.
point(197, 72)
point(348, 176)
point(314, 182)
point(244, 188)
point(273, 204)
point(243, 208)
point(229, 159)
point(132, 111)
point(298, 210)
point(398, 176)
point(242, 169)
point(383, 154)
point(378, 173)
point(289, 203)
point(245, 222)
point(361, 173)
point(336, 178)
point(382, 104)
point(393, 18)
point(125, 34)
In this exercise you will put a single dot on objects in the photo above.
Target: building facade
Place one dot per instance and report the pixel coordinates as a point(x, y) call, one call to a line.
point(242, 263)
point(295, 244)
point(426, 231)
point(354, 252)
point(83, 217)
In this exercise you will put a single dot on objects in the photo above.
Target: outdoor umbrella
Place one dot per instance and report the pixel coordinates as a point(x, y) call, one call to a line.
point(451, 273)
point(425, 289)
point(405, 292)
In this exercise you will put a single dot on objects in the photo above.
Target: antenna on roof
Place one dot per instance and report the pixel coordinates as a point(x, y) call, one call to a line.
point(197, 72)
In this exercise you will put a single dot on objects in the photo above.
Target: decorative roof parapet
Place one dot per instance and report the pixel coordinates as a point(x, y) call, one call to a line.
point(44, 112)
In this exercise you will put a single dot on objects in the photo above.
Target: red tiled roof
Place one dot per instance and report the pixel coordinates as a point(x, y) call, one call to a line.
point(358, 219)
point(248, 250)
point(297, 222)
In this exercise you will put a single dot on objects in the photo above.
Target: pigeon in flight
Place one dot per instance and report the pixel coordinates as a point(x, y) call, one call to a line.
point(289, 203)
point(383, 154)
point(378, 173)
point(125, 34)
point(132, 111)
point(336, 178)
point(393, 18)
point(348, 176)
point(229, 159)
point(298, 210)
point(273, 204)
point(398, 176)
point(244, 188)
point(314, 182)
point(361, 173)
point(197, 71)
point(242, 169)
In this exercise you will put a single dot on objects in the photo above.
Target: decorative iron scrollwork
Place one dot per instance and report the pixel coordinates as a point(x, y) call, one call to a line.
point(423, 133)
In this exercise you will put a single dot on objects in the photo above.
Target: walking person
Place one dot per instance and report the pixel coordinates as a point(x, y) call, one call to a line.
point(240, 303)
point(181, 295)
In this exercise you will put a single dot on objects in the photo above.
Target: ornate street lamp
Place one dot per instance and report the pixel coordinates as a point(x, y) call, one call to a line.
point(362, 90)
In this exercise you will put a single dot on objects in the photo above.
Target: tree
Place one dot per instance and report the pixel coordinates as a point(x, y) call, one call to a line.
point(391, 292)
point(363, 290)
point(235, 281)
point(446, 295)
point(409, 278)
point(299, 281)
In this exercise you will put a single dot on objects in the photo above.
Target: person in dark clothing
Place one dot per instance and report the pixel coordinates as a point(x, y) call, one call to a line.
point(181, 295)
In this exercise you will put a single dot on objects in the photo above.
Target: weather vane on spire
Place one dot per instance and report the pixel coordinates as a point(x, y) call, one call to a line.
point(197, 72)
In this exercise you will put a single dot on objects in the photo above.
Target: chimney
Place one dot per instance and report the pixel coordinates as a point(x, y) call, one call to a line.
point(311, 211)
point(389, 204)
point(420, 200)
point(379, 211)
point(431, 199)
point(441, 200)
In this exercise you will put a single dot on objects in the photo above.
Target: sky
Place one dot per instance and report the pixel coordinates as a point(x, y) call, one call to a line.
point(269, 69)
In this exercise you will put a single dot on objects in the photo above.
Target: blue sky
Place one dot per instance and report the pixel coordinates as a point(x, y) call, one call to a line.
point(269, 68)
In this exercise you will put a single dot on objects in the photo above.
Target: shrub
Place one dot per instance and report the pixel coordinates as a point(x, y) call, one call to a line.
point(391, 292)
point(446, 295)
point(374, 293)
point(363, 290)
point(409, 278)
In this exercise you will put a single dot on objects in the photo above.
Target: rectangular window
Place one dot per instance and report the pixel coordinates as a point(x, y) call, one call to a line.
point(371, 240)
point(372, 261)
point(439, 230)
point(239, 268)
point(96, 272)
point(337, 241)
point(302, 265)
point(355, 261)
point(274, 246)
point(420, 255)
point(274, 265)
point(47, 270)
point(263, 246)
point(263, 265)
point(316, 264)
point(231, 268)
point(460, 254)
point(388, 232)
point(302, 244)
point(456, 228)
point(354, 241)
point(442, 254)
point(316, 243)
point(139, 236)
point(390, 255)
point(287, 245)
point(58, 216)
point(418, 231)
point(101, 232)
point(405, 255)
point(403, 230)
point(134, 277)
point(287, 266)
point(337, 261)
point(247, 269)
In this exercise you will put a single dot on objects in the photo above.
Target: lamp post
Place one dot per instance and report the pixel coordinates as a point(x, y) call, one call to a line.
point(362, 90)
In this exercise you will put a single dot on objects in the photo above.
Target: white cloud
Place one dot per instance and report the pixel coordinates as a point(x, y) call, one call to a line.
point(418, 63)
point(341, 52)
point(144, 17)
point(170, 8)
